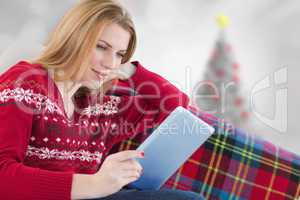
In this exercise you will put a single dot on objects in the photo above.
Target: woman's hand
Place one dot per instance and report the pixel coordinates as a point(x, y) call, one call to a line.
point(117, 170)
point(124, 72)
point(127, 70)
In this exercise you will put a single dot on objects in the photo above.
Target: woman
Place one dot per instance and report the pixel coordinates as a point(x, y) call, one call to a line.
point(59, 118)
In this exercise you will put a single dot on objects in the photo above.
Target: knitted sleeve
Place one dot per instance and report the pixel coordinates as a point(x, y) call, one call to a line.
point(155, 99)
point(161, 96)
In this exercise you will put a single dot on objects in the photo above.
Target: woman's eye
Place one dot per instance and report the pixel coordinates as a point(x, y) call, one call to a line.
point(101, 47)
point(121, 55)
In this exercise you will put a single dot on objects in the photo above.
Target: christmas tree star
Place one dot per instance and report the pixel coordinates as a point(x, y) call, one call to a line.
point(223, 21)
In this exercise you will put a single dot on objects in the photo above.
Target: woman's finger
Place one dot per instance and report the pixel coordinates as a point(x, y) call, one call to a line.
point(131, 164)
point(130, 173)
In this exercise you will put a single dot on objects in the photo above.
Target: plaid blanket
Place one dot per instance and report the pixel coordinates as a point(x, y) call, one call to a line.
point(232, 164)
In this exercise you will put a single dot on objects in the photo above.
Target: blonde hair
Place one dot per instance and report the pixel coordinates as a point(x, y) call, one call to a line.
point(70, 45)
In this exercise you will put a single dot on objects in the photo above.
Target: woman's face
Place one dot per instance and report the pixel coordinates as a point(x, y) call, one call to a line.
point(107, 55)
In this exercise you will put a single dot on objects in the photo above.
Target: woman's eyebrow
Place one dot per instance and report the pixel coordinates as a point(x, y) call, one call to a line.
point(111, 45)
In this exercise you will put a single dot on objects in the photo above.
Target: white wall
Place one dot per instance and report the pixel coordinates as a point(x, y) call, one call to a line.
point(176, 38)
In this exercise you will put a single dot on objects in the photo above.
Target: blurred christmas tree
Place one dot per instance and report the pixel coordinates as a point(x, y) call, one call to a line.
point(219, 93)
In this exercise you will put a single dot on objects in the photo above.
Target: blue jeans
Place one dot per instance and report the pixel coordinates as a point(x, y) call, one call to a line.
point(164, 194)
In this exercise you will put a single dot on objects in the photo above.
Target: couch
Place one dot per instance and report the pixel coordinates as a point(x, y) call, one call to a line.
point(233, 164)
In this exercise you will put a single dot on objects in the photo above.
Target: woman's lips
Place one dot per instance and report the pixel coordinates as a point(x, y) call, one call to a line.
point(99, 74)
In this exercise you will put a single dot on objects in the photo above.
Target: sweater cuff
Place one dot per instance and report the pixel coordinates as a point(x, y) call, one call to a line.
point(139, 74)
point(53, 185)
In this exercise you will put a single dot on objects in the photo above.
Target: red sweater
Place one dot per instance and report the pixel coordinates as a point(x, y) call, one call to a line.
point(41, 148)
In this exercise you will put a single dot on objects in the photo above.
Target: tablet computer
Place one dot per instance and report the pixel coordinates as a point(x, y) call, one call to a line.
point(169, 146)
